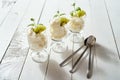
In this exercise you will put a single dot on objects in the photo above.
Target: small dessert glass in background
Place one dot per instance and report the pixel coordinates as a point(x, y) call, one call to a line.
point(37, 42)
point(58, 32)
point(76, 24)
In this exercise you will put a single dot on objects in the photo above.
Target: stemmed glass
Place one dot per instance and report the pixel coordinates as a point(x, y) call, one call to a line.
point(37, 43)
point(76, 24)
point(58, 32)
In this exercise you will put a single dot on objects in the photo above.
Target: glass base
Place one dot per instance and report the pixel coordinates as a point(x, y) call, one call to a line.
point(76, 38)
point(59, 47)
point(39, 57)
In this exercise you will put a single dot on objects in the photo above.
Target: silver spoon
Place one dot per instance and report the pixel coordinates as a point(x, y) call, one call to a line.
point(70, 57)
point(89, 42)
point(75, 64)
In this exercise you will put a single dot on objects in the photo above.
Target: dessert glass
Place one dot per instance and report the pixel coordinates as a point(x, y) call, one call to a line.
point(37, 43)
point(75, 25)
point(58, 32)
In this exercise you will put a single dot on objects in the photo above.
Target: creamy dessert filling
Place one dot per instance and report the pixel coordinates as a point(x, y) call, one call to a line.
point(57, 28)
point(76, 24)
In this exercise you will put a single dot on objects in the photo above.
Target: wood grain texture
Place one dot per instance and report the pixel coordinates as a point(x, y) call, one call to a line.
point(10, 25)
point(34, 70)
point(18, 48)
point(5, 8)
point(81, 72)
point(113, 10)
point(107, 62)
point(102, 21)
point(12, 62)
point(54, 71)
point(51, 69)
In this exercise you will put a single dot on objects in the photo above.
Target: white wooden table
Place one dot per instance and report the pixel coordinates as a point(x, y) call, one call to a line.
point(102, 21)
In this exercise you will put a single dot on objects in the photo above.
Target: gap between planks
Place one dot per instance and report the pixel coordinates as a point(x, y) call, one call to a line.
point(13, 35)
point(112, 30)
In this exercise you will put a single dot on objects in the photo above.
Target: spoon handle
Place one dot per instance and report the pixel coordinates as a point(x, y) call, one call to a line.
point(90, 65)
point(74, 65)
point(63, 63)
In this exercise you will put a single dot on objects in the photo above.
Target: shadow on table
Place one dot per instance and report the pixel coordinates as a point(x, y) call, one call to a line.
point(102, 53)
point(82, 65)
point(106, 54)
point(66, 54)
point(55, 72)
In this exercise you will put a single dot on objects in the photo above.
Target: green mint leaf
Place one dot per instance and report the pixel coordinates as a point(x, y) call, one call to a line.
point(71, 13)
point(55, 15)
point(58, 12)
point(31, 25)
point(73, 4)
point(62, 14)
point(78, 8)
point(39, 28)
point(63, 21)
point(40, 24)
point(32, 19)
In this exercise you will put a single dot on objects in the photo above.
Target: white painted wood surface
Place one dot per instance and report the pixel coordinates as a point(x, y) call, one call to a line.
point(10, 25)
point(114, 17)
point(5, 8)
point(102, 21)
point(106, 53)
point(18, 49)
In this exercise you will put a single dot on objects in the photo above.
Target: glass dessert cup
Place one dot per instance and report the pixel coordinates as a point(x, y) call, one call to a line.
point(39, 56)
point(59, 46)
point(58, 32)
point(75, 25)
point(37, 43)
point(76, 37)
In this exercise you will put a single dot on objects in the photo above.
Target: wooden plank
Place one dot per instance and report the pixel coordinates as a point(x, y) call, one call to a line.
point(106, 53)
point(17, 51)
point(35, 70)
point(54, 71)
point(13, 60)
point(100, 63)
point(5, 8)
point(80, 74)
point(10, 24)
point(40, 69)
point(107, 62)
point(67, 8)
point(114, 17)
